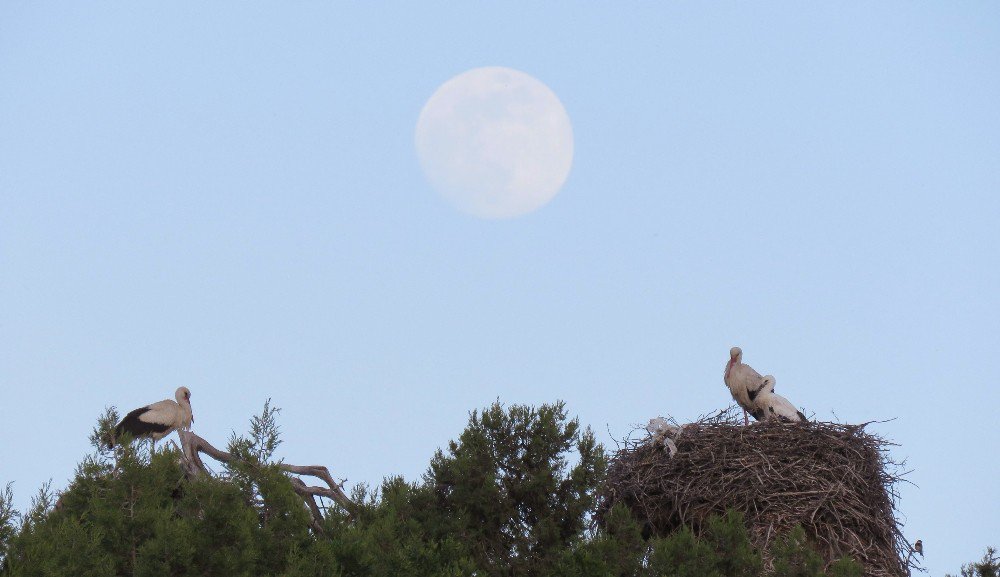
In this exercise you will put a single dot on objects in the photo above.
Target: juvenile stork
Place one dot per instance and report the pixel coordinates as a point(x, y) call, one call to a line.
point(157, 420)
point(741, 379)
point(770, 406)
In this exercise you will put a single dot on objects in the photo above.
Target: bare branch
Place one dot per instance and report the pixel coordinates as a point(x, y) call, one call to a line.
point(193, 445)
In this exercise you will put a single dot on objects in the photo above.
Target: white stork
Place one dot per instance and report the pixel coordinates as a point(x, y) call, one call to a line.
point(741, 379)
point(157, 420)
point(769, 406)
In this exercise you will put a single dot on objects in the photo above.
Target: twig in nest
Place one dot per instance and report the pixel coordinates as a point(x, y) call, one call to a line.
point(835, 480)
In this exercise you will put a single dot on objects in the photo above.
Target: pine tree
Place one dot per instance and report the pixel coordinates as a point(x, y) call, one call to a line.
point(989, 566)
point(130, 512)
point(508, 489)
point(512, 496)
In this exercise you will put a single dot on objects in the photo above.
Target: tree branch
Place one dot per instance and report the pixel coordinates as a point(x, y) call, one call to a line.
point(192, 446)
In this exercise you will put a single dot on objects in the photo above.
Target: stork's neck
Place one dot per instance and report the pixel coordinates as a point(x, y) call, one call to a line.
point(188, 413)
point(185, 406)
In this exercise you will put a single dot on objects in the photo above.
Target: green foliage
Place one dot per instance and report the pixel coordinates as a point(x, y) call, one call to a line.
point(618, 549)
point(723, 549)
point(507, 487)
point(281, 522)
point(129, 512)
point(102, 433)
point(512, 496)
point(8, 520)
point(729, 537)
point(684, 555)
point(845, 567)
point(396, 531)
point(989, 566)
point(794, 558)
point(259, 447)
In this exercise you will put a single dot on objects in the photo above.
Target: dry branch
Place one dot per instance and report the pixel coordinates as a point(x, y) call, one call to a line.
point(192, 446)
point(835, 480)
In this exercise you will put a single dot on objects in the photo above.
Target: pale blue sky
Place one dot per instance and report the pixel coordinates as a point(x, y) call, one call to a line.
point(226, 196)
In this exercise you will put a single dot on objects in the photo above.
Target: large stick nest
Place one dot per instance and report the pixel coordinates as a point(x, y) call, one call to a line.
point(835, 480)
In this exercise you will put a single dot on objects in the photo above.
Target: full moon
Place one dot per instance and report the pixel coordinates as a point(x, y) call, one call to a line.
point(495, 142)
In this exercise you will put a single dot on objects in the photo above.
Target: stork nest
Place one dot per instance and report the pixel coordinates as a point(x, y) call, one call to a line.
point(837, 481)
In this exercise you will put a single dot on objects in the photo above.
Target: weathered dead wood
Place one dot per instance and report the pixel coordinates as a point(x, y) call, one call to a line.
point(193, 445)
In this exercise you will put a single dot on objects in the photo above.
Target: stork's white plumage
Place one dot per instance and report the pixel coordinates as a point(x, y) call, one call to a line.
point(661, 432)
point(770, 406)
point(158, 419)
point(658, 427)
point(741, 379)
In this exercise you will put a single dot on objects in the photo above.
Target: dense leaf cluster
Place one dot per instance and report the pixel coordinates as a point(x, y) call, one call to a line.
point(512, 496)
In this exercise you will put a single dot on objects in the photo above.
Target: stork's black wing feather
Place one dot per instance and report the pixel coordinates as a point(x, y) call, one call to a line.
point(138, 428)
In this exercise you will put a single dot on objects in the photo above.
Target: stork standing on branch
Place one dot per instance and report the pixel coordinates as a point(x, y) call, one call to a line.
point(741, 379)
point(157, 420)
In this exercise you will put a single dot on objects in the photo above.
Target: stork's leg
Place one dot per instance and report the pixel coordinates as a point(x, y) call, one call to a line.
point(746, 421)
